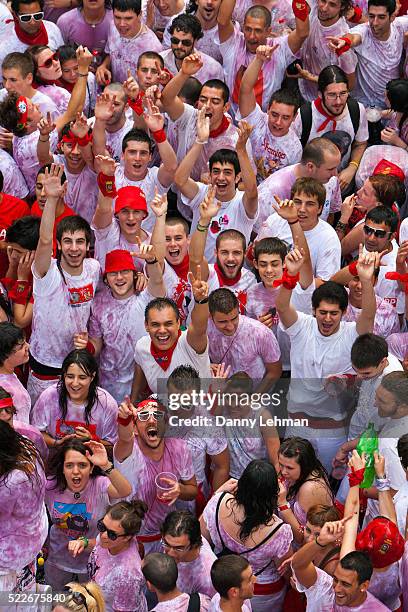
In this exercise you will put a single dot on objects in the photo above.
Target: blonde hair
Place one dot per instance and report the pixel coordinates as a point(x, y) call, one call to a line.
point(93, 597)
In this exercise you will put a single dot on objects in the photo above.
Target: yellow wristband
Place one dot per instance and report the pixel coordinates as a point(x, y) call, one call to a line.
point(354, 163)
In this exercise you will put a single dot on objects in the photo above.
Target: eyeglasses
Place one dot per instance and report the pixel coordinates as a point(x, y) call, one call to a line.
point(112, 535)
point(333, 96)
point(48, 62)
point(144, 415)
point(378, 233)
point(26, 17)
point(186, 42)
point(179, 549)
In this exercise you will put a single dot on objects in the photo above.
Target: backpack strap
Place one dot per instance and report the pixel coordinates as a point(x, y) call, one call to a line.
point(217, 511)
point(265, 540)
point(194, 603)
point(329, 556)
point(354, 111)
point(306, 116)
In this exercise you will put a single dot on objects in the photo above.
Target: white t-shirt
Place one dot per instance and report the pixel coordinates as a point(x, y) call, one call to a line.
point(385, 288)
point(111, 238)
point(215, 605)
point(13, 181)
point(240, 288)
point(211, 69)
point(232, 215)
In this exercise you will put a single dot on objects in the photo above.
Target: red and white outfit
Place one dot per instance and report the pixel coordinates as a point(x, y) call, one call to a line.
point(11, 208)
point(211, 68)
point(238, 285)
point(25, 155)
point(111, 238)
point(386, 320)
point(21, 399)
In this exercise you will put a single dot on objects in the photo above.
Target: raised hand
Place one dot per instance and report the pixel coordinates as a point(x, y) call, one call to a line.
point(99, 456)
point(366, 264)
point(146, 251)
point(335, 43)
point(81, 340)
point(52, 181)
point(153, 92)
point(46, 125)
point(80, 126)
point(164, 75)
point(244, 131)
point(84, 58)
point(126, 409)
point(24, 265)
point(152, 116)
point(198, 286)
point(131, 86)
point(141, 282)
point(209, 207)
point(286, 209)
point(159, 204)
point(191, 64)
point(218, 370)
point(347, 208)
point(103, 75)
point(264, 52)
point(106, 164)
point(379, 465)
point(356, 462)
point(203, 125)
point(104, 107)
point(402, 254)
point(332, 531)
point(294, 261)
point(305, 74)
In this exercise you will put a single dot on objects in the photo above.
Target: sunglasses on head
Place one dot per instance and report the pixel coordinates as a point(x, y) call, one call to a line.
point(78, 598)
point(26, 17)
point(112, 535)
point(48, 62)
point(144, 415)
point(186, 42)
point(378, 233)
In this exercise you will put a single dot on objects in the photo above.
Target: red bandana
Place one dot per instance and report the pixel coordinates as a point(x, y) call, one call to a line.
point(40, 38)
point(319, 106)
point(163, 358)
point(22, 110)
point(223, 127)
point(182, 268)
point(223, 280)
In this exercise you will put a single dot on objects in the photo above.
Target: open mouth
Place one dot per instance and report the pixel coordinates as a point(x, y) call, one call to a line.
point(76, 481)
point(152, 432)
point(163, 339)
point(209, 114)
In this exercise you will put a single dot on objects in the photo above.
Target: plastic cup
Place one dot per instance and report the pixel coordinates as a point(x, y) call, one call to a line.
point(163, 485)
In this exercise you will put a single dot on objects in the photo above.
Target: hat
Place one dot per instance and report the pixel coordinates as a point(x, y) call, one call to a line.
point(151, 402)
point(131, 197)
point(386, 167)
point(382, 541)
point(119, 260)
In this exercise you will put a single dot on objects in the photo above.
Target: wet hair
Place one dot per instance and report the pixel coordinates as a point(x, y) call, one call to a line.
point(397, 384)
point(9, 117)
point(25, 232)
point(161, 570)
point(368, 351)
point(319, 514)
point(72, 224)
point(285, 96)
point(358, 562)
point(330, 75)
point(129, 513)
point(18, 453)
point(397, 93)
point(150, 55)
point(226, 573)
point(310, 187)
point(402, 448)
point(10, 336)
point(383, 214)
point(230, 234)
point(190, 91)
point(172, 221)
point(259, 12)
point(88, 364)
point(18, 61)
point(161, 304)
point(184, 378)
point(218, 84)
point(15, 4)
point(257, 493)
point(94, 601)
point(55, 467)
point(222, 300)
point(127, 5)
point(315, 151)
point(189, 24)
point(388, 189)
point(330, 292)
point(66, 53)
point(225, 156)
point(305, 456)
point(48, 167)
point(390, 5)
point(138, 136)
point(270, 246)
point(182, 522)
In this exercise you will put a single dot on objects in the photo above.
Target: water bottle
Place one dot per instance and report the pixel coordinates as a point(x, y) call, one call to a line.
point(374, 125)
point(368, 444)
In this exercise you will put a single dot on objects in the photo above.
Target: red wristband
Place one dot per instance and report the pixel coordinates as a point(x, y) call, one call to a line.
point(352, 268)
point(126, 421)
point(402, 278)
point(21, 291)
point(90, 348)
point(346, 47)
point(107, 185)
point(358, 13)
point(136, 105)
point(287, 281)
point(82, 142)
point(356, 477)
point(159, 136)
point(300, 9)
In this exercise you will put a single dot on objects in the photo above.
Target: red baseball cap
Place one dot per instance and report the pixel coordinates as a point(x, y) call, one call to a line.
point(388, 168)
point(119, 260)
point(130, 197)
point(382, 541)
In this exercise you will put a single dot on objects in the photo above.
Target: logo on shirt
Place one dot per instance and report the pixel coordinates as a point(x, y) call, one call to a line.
point(72, 518)
point(64, 428)
point(391, 300)
point(217, 226)
point(80, 295)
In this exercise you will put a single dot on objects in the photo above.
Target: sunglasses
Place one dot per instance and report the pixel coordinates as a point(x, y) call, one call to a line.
point(184, 41)
point(144, 415)
point(48, 62)
point(79, 599)
point(378, 233)
point(179, 549)
point(112, 535)
point(26, 17)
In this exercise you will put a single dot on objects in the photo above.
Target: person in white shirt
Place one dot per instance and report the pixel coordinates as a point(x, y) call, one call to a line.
point(401, 496)
point(378, 45)
point(206, 12)
point(234, 581)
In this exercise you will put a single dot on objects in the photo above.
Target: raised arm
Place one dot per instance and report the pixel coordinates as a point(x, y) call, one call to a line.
point(45, 127)
point(124, 445)
point(341, 44)
point(103, 214)
point(185, 184)
point(172, 104)
point(365, 267)
point(385, 500)
point(158, 238)
point(54, 190)
point(155, 285)
point(298, 36)
point(77, 100)
point(287, 313)
point(224, 19)
point(155, 122)
point(352, 505)
point(80, 129)
point(247, 99)
point(104, 109)
point(209, 207)
point(248, 176)
point(197, 330)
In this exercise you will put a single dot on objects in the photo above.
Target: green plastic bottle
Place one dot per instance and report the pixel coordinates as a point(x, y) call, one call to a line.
point(368, 443)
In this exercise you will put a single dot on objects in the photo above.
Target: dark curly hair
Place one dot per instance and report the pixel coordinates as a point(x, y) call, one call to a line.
point(55, 467)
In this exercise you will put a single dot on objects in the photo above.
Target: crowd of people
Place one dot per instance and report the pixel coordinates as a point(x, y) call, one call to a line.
point(203, 305)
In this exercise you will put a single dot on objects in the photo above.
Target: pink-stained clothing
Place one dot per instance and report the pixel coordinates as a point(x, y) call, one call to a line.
point(119, 576)
point(58, 95)
point(282, 15)
point(385, 288)
point(208, 44)
point(178, 290)
point(404, 575)
point(114, 139)
point(61, 309)
point(398, 345)
point(10, 42)
point(13, 180)
point(120, 324)
point(73, 517)
point(23, 518)
point(21, 399)
point(320, 597)
point(147, 185)
point(82, 192)
point(216, 602)
point(378, 61)
point(251, 347)
point(316, 54)
point(373, 155)
point(211, 69)
point(236, 59)
point(124, 52)
point(245, 444)
point(102, 421)
point(25, 156)
point(34, 434)
point(385, 586)
point(232, 215)
point(194, 577)
point(183, 354)
point(110, 238)
point(75, 30)
point(44, 103)
point(271, 153)
point(180, 604)
point(141, 472)
point(386, 320)
point(240, 288)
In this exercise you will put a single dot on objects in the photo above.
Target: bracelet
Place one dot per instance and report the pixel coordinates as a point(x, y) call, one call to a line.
point(202, 228)
point(154, 261)
point(293, 222)
point(109, 470)
point(287, 281)
point(354, 163)
point(107, 185)
point(125, 421)
point(352, 268)
point(382, 484)
point(283, 507)
point(159, 136)
point(85, 541)
point(321, 545)
point(82, 75)
point(90, 348)
point(342, 227)
point(204, 301)
point(201, 142)
point(46, 140)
